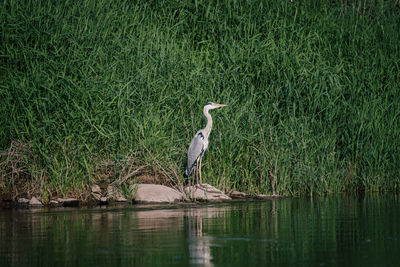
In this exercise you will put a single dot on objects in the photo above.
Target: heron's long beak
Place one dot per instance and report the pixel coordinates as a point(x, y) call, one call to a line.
point(221, 105)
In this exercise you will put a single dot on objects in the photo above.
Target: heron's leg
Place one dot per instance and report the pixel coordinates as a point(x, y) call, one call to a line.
point(197, 171)
point(193, 177)
point(200, 172)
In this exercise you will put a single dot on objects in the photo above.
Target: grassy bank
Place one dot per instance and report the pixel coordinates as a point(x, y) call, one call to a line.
point(93, 90)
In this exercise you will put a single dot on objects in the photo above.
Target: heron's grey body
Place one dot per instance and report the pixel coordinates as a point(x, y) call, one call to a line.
point(199, 143)
point(196, 151)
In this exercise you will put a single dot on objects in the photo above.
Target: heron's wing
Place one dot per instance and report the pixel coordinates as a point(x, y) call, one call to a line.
point(196, 150)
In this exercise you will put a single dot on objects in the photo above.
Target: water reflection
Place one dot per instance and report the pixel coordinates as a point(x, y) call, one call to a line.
point(307, 232)
point(199, 244)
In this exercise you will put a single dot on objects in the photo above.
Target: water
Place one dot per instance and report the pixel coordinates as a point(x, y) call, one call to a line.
point(303, 232)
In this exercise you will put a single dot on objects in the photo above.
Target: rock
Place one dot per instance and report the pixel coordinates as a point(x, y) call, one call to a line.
point(121, 199)
point(238, 195)
point(68, 202)
point(153, 193)
point(54, 203)
point(103, 201)
point(206, 192)
point(95, 188)
point(35, 202)
point(23, 201)
point(96, 196)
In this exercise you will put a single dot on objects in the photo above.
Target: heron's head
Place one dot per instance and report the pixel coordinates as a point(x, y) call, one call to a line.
point(211, 105)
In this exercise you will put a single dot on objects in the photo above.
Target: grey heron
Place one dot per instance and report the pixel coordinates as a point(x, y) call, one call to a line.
point(199, 143)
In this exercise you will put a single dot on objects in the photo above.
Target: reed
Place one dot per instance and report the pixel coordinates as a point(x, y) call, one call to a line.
point(312, 89)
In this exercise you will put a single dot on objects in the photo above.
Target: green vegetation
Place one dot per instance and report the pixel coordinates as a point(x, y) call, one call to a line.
point(312, 87)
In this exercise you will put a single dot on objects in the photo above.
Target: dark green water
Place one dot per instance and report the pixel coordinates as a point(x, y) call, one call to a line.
point(303, 232)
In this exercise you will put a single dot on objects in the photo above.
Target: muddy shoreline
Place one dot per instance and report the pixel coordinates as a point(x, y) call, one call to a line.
point(92, 202)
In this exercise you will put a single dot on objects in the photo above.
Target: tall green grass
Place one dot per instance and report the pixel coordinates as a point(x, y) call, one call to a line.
point(312, 89)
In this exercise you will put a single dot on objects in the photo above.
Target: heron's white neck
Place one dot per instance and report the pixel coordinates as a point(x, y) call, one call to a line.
point(207, 130)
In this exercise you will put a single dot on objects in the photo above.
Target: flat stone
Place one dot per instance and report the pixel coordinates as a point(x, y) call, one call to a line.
point(35, 202)
point(95, 188)
point(68, 202)
point(121, 199)
point(54, 203)
point(238, 195)
point(103, 200)
point(154, 193)
point(206, 192)
point(23, 201)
